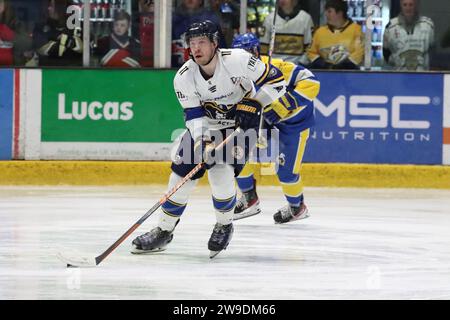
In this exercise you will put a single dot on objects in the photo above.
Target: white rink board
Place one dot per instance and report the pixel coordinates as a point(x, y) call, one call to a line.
point(357, 244)
point(105, 151)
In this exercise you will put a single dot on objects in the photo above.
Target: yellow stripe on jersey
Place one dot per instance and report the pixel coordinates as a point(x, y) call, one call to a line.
point(304, 135)
point(264, 75)
point(308, 88)
point(285, 67)
point(279, 108)
point(279, 79)
point(294, 99)
point(248, 170)
point(293, 189)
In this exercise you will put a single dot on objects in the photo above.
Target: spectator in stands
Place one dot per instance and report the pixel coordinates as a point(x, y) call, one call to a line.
point(228, 13)
point(119, 49)
point(408, 39)
point(293, 27)
point(340, 43)
point(146, 31)
point(188, 12)
point(54, 42)
point(7, 33)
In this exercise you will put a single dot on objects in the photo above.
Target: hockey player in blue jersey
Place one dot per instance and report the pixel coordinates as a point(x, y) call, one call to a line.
point(293, 116)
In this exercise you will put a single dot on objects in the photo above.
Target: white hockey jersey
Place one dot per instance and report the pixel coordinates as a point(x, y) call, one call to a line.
point(409, 50)
point(292, 36)
point(210, 104)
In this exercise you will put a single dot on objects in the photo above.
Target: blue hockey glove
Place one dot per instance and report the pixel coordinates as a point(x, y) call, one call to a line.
point(271, 116)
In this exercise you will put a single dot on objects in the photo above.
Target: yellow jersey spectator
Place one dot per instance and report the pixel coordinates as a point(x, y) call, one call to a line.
point(340, 43)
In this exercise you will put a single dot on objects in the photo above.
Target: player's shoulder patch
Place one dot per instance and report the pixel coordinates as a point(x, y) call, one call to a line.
point(233, 54)
point(188, 65)
point(183, 70)
point(235, 59)
point(252, 63)
point(184, 75)
point(225, 52)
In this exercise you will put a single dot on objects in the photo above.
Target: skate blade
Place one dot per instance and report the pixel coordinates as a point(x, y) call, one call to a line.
point(212, 254)
point(238, 216)
point(135, 250)
point(301, 217)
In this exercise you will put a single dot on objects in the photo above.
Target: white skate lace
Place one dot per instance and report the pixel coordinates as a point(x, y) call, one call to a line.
point(218, 231)
point(242, 202)
point(286, 212)
point(148, 236)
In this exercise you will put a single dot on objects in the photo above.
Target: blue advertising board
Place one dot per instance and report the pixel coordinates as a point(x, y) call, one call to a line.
point(6, 112)
point(392, 118)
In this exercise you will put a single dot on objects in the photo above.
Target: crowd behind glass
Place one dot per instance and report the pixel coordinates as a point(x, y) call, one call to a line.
point(37, 33)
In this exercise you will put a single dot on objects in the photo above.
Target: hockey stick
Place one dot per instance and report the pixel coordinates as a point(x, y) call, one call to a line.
point(76, 261)
point(262, 142)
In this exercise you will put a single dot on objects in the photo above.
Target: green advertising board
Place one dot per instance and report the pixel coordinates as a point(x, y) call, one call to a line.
point(109, 106)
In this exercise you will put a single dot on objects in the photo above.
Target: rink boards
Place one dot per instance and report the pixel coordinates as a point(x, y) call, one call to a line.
point(157, 172)
point(382, 118)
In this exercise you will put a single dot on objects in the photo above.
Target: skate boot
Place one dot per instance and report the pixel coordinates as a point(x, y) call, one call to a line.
point(289, 213)
point(220, 238)
point(247, 205)
point(154, 241)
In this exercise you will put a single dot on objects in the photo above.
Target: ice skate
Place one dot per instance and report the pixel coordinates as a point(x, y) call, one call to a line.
point(154, 241)
point(247, 205)
point(220, 238)
point(289, 213)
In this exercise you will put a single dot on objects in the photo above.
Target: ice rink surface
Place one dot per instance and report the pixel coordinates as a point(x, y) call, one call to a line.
point(357, 244)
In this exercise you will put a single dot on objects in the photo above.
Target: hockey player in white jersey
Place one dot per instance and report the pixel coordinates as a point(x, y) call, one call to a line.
point(219, 90)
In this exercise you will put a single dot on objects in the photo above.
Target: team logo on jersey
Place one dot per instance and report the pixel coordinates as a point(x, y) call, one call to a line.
point(279, 88)
point(180, 96)
point(236, 80)
point(219, 112)
point(272, 73)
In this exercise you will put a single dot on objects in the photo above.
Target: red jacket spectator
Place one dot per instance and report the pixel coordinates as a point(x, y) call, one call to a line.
point(119, 49)
point(7, 33)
